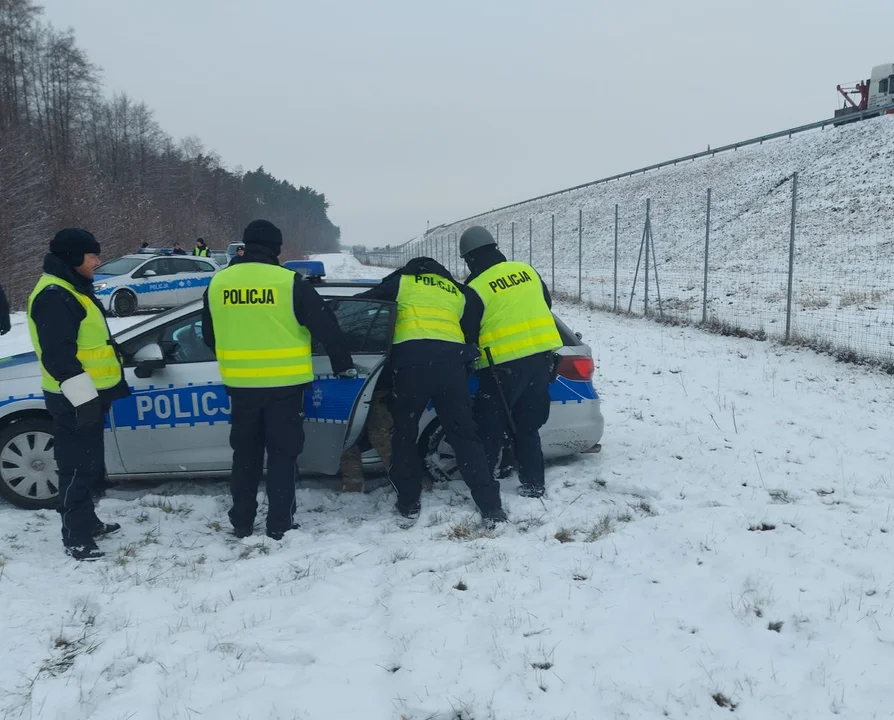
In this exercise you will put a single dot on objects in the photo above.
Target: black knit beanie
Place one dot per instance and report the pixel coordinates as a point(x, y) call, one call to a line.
point(71, 244)
point(263, 233)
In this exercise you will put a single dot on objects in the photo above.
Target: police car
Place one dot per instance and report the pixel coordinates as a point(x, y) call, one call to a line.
point(176, 422)
point(153, 279)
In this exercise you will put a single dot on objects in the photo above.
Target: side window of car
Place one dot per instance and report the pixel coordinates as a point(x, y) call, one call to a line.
point(161, 267)
point(180, 340)
point(367, 325)
point(204, 267)
point(182, 265)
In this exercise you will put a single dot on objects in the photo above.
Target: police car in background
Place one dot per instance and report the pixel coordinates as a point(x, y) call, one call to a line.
point(155, 279)
point(176, 422)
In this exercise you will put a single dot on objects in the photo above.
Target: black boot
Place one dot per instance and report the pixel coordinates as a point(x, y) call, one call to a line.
point(86, 551)
point(492, 517)
point(409, 510)
point(278, 534)
point(104, 529)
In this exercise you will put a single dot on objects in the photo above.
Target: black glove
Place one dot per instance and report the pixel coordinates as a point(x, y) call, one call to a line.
point(554, 360)
point(89, 413)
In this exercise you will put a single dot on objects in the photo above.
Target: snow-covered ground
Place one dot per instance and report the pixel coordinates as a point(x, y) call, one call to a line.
point(732, 544)
point(843, 290)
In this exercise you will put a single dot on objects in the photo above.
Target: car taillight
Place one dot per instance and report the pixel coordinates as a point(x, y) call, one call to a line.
point(576, 367)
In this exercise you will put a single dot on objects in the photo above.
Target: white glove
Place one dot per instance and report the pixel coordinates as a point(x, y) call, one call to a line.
point(79, 390)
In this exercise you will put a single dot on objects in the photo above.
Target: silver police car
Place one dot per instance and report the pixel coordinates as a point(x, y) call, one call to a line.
point(176, 422)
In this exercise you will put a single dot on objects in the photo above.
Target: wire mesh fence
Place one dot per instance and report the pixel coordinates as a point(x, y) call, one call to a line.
point(791, 254)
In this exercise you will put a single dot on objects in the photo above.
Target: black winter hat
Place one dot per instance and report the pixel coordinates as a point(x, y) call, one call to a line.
point(263, 233)
point(71, 244)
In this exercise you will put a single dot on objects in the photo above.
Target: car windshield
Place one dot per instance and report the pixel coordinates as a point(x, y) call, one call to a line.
point(119, 266)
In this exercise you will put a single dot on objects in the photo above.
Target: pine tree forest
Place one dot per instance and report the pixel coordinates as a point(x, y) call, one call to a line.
point(72, 156)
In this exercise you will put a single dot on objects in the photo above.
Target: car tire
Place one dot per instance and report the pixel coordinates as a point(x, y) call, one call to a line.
point(438, 457)
point(124, 303)
point(27, 465)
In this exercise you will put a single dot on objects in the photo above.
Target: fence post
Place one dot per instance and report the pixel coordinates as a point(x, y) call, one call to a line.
point(615, 306)
point(498, 234)
point(791, 259)
point(646, 240)
point(580, 254)
point(530, 241)
point(512, 231)
point(707, 245)
point(553, 247)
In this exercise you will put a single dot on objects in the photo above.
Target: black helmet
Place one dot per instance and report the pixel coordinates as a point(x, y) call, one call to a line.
point(474, 238)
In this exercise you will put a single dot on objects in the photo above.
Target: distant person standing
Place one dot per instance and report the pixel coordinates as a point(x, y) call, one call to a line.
point(201, 249)
point(237, 258)
point(5, 322)
point(178, 250)
point(81, 376)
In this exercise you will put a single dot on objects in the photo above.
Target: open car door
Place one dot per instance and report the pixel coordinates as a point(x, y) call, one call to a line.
point(335, 409)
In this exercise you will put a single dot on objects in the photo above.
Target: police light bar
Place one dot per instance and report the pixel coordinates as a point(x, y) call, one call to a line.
point(311, 269)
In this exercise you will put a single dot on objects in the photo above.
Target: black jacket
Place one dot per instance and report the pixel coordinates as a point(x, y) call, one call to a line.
point(310, 311)
point(479, 261)
point(57, 316)
point(5, 322)
point(427, 352)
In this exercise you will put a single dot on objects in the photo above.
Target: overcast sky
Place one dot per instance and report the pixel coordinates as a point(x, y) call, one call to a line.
point(407, 111)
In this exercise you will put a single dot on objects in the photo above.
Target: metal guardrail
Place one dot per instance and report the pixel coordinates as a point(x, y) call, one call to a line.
point(821, 124)
point(852, 117)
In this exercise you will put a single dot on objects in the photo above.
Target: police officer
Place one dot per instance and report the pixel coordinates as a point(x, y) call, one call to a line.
point(5, 323)
point(429, 359)
point(518, 328)
point(201, 249)
point(259, 318)
point(81, 376)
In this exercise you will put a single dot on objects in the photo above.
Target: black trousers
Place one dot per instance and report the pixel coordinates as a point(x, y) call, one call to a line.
point(81, 466)
point(446, 386)
point(525, 384)
point(268, 419)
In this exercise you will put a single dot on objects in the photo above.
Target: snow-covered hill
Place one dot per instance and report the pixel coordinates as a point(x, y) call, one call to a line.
point(843, 290)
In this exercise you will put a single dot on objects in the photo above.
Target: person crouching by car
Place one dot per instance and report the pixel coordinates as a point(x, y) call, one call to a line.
point(430, 357)
point(81, 376)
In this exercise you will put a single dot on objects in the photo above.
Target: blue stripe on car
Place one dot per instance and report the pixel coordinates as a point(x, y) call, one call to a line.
point(328, 401)
point(152, 287)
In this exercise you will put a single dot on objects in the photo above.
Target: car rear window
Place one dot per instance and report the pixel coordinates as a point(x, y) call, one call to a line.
point(119, 266)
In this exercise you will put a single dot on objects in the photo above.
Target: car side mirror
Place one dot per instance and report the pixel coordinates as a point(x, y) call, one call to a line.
point(149, 273)
point(148, 358)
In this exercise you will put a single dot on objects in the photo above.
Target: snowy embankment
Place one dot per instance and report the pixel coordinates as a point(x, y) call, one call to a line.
point(843, 290)
point(730, 545)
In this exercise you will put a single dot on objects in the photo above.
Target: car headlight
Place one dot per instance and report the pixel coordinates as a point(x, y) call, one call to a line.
point(99, 286)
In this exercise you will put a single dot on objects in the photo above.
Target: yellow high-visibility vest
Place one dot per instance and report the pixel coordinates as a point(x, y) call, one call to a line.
point(517, 321)
point(428, 308)
point(95, 352)
point(259, 342)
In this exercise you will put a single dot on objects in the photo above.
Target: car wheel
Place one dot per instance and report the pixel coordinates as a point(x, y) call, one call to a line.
point(124, 303)
point(438, 457)
point(27, 465)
